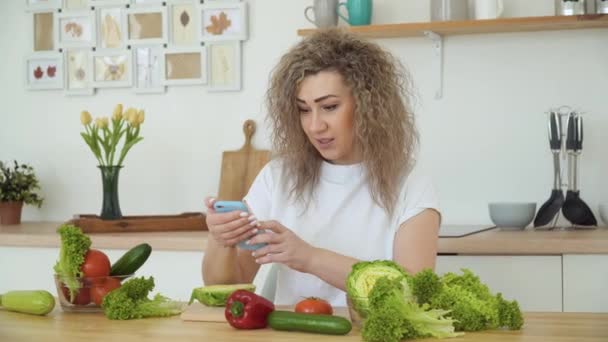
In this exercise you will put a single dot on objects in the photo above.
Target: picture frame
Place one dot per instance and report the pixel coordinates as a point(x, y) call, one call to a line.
point(147, 25)
point(223, 20)
point(183, 22)
point(44, 70)
point(147, 2)
point(184, 66)
point(95, 3)
point(71, 5)
point(36, 5)
point(76, 29)
point(147, 69)
point(78, 65)
point(43, 31)
point(112, 69)
point(111, 27)
point(225, 66)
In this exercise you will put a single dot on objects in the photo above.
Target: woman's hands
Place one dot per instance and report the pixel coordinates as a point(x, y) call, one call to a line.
point(283, 247)
point(228, 229)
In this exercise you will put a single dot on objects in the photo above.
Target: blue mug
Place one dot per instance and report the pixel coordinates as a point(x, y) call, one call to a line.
point(359, 12)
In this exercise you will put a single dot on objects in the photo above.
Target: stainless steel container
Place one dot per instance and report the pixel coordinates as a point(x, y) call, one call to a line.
point(601, 6)
point(572, 7)
point(447, 10)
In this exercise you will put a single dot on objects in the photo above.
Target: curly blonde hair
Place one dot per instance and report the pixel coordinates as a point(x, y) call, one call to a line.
point(384, 122)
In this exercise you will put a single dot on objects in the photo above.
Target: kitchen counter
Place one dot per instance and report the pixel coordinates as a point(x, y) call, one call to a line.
point(67, 327)
point(494, 241)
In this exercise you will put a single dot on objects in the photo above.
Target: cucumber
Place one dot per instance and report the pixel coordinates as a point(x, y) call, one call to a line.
point(38, 302)
point(132, 260)
point(315, 323)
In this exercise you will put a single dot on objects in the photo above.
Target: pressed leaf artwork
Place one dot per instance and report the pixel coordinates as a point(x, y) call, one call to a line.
point(77, 66)
point(146, 25)
point(73, 29)
point(183, 31)
point(222, 65)
point(51, 70)
point(38, 73)
point(111, 32)
point(219, 24)
point(43, 31)
point(183, 66)
point(111, 68)
point(76, 29)
point(43, 71)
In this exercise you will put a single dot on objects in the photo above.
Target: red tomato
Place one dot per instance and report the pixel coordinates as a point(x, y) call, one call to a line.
point(82, 298)
point(98, 291)
point(314, 305)
point(96, 264)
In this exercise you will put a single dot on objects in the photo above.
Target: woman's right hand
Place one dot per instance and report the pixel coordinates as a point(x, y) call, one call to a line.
point(228, 229)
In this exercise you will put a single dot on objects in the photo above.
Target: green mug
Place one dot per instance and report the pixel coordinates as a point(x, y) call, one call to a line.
point(359, 12)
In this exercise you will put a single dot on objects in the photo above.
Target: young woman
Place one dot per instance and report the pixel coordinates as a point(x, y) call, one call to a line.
point(340, 186)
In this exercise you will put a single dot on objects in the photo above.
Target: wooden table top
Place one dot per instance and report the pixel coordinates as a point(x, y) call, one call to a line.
point(70, 327)
point(494, 241)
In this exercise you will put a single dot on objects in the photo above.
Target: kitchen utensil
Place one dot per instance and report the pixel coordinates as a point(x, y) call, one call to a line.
point(571, 7)
point(325, 13)
point(239, 168)
point(202, 313)
point(550, 209)
point(359, 12)
point(575, 209)
point(447, 10)
point(512, 215)
point(601, 6)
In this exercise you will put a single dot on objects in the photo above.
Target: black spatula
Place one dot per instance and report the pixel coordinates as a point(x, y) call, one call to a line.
point(549, 210)
point(575, 209)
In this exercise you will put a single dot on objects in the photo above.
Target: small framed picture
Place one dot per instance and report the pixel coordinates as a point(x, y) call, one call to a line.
point(111, 27)
point(44, 30)
point(147, 69)
point(44, 70)
point(78, 71)
point(182, 66)
point(75, 4)
point(76, 29)
point(223, 20)
point(183, 20)
point(224, 66)
point(112, 69)
point(34, 5)
point(96, 3)
point(147, 2)
point(147, 25)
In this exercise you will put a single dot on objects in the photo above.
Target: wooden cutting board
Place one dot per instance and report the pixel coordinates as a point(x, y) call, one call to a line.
point(239, 168)
point(201, 313)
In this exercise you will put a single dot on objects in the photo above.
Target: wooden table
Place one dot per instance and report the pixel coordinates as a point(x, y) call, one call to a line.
point(67, 327)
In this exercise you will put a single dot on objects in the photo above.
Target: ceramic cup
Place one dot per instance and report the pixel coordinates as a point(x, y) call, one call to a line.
point(359, 12)
point(325, 13)
point(488, 9)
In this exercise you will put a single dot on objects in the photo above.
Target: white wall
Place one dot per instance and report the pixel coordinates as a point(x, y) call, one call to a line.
point(484, 141)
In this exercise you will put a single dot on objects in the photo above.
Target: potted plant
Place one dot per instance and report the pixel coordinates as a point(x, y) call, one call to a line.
point(17, 186)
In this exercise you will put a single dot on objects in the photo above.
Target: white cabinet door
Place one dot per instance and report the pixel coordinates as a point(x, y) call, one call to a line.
point(586, 283)
point(534, 281)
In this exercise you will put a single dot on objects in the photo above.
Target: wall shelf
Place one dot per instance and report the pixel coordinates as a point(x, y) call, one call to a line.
point(450, 28)
point(436, 31)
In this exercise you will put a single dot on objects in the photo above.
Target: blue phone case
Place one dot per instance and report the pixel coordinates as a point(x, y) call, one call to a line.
point(228, 206)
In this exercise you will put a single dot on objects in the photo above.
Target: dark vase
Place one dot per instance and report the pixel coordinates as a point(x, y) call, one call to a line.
point(110, 209)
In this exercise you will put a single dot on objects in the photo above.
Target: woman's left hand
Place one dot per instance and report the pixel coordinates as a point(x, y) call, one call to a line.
point(284, 247)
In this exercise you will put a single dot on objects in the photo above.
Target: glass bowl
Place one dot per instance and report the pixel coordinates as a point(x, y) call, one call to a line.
point(90, 292)
point(356, 317)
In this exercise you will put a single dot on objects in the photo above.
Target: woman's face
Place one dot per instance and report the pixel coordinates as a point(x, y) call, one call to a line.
point(327, 110)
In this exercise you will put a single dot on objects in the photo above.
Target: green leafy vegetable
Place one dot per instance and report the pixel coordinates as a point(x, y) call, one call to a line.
point(131, 301)
point(470, 302)
point(74, 246)
point(363, 277)
point(217, 295)
point(394, 314)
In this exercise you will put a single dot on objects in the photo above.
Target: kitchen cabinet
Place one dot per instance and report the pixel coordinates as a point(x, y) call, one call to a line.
point(586, 283)
point(534, 281)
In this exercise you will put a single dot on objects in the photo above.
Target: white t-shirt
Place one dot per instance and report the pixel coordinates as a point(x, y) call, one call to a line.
point(342, 217)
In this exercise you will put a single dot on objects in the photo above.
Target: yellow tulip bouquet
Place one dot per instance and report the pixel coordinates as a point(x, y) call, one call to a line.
point(104, 135)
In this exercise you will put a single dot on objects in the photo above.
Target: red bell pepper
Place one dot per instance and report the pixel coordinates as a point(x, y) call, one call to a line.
point(246, 310)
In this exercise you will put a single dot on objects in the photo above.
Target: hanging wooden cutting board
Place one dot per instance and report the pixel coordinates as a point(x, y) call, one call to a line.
point(201, 313)
point(239, 168)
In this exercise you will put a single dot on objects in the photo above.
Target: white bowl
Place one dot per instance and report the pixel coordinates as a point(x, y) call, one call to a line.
point(512, 215)
point(603, 209)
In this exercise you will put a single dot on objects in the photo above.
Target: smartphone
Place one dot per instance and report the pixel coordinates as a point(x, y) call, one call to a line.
point(228, 206)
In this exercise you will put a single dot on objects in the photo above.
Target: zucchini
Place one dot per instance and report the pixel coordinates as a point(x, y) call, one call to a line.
point(315, 323)
point(38, 302)
point(132, 260)
point(217, 295)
